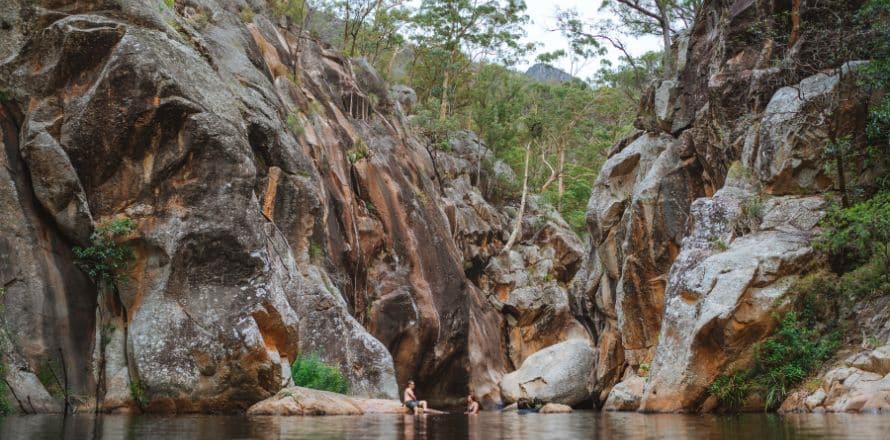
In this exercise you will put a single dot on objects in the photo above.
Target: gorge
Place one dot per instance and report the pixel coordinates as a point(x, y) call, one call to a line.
point(278, 201)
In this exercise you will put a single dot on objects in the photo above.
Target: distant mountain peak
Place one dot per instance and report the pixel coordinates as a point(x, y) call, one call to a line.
point(547, 73)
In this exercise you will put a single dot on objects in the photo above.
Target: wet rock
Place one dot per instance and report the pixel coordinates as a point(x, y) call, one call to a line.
point(560, 373)
point(555, 408)
point(626, 395)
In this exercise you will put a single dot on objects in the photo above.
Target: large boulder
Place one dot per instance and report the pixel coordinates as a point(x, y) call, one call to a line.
point(626, 395)
point(560, 373)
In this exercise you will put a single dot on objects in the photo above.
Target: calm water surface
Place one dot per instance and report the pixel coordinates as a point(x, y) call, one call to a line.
point(488, 425)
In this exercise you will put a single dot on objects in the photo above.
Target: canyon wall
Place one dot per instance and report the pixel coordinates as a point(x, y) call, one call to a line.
point(281, 207)
point(702, 220)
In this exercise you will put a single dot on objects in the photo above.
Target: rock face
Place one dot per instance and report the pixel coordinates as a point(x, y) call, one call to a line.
point(299, 401)
point(561, 373)
point(723, 291)
point(701, 220)
point(282, 207)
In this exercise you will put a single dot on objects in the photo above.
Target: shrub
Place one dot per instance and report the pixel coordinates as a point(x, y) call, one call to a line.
point(752, 214)
point(170, 3)
point(731, 391)
point(247, 14)
point(5, 406)
point(311, 372)
point(867, 281)
point(294, 123)
point(138, 393)
point(781, 363)
point(358, 151)
point(859, 232)
point(105, 258)
point(720, 245)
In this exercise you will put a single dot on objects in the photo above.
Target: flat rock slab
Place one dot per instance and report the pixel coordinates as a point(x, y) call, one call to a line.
point(299, 401)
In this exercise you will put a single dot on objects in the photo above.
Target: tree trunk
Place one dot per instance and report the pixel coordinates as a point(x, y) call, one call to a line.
point(518, 228)
point(443, 107)
point(668, 59)
point(560, 169)
point(795, 22)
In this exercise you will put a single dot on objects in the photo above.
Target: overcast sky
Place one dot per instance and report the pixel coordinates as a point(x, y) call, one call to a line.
point(543, 19)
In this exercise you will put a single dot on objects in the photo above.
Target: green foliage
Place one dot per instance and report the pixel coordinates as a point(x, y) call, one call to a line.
point(48, 375)
point(870, 280)
point(731, 391)
point(358, 151)
point(720, 245)
point(311, 372)
point(170, 3)
point(105, 259)
point(247, 14)
point(860, 232)
point(316, 252)
point(437, 131)
point(751, 215)
point(797, 349)
point(5, 407)
point(138, 393)
point(294, 123)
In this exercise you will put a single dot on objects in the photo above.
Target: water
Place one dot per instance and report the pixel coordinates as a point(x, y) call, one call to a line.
point(485, 426)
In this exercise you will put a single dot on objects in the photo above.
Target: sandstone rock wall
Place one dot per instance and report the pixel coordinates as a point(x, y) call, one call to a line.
point(701, 220)
point(282, 207)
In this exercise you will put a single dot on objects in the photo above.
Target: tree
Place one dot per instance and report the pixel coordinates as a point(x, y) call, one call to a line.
point(354, 13)
point(297, 15)
point(662, 18)
point(484, 27)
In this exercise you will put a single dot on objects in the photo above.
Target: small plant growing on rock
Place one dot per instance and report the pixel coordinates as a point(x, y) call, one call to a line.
point(247, 14)
point(138, 393)
point(170, 3)
point(311, 372)
point(294, 123)
point(720, 245)
point(315, 252)
point(358, 151)
point(752, 215)
point(105, 258)
point(731, 391)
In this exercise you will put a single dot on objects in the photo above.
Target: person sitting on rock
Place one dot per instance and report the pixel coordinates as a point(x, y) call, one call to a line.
point(472, 405)
point(418, 406)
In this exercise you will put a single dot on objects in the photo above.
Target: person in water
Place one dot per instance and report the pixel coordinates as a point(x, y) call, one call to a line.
point(472, 405)
point(418, 406)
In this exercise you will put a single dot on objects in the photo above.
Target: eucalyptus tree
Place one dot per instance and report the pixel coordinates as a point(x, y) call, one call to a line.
point(485, 28)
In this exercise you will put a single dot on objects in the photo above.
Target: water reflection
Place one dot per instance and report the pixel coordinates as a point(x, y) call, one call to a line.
point(485, 426)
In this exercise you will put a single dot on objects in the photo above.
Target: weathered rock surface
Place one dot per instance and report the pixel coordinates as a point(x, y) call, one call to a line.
point(686, 261)
point(626, 395)
point(282, 207)
point(560, 373)
point(723, 289)
point(555, 408)
point(299, 401)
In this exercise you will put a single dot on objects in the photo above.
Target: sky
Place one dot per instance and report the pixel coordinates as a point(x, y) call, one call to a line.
point(543, 19)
